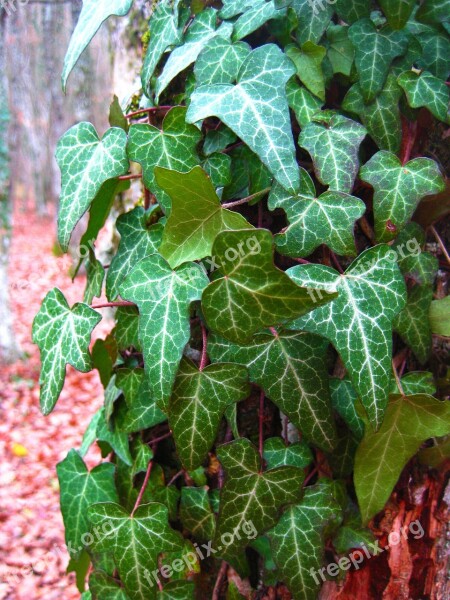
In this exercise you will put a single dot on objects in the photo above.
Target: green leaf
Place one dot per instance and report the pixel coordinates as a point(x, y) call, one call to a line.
point(252, 293)
point(126, 329)
point(333, 142)
point(92, 15)
point(381, 456)
point(86, 163)
point(416, 382)
point(197, 405)
point(344, 398)
point(136, 541)
point(109, 432)
point(313, 18)
point(308, 62)
point(426, 90)
point(302, 102)
point(437, 454)
point(217, 140)
point(116, 117)
point(397, 11)
point(440, 316)
point(218, 168)
point(352, 10)
point(277, 454)
point(138, 239)
point(103, 586)
point(328, 219)
point(165, 31)
point(434, 12)
point(63, 335)
point(340, 50)
point(79, 489)
point(80, 567)
point(163, 297)
point(359, 321)
point(196, 218)
point(435, 55)
point(420, 266)
point(220, 61)
point(413, 322)
point(291, 369)
point(256, 110)
point(298, 540)
point(95, 274)
point(143, 411)
point(172, 147)
point(381, 117)
point(196, 513)
point(254, 18)
point(200, 32)
point(399, 189)
point(250, 496)
point(249, 175)
point(178, 590)
point(374, 53)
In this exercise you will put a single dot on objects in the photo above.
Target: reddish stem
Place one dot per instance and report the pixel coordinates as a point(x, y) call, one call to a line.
point(111, 304)
point(273, 331)
point(130, 176)
point(302, 261)
point(218, 585)
point(409, 138)
point(261, 422)
point(143, 488)
point(175, 477)
point(336, 262)
point(246, 199)
point(146, 199)
point(152, 109)
point(204, 357)
point(160, 438)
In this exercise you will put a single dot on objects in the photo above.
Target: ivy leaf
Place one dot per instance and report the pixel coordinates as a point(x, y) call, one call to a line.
point(298, 540)
point(252, 293)
point(220, 61)
point(374, 53)
point(434, 12)
point(95, 273)
point(196, 513)
point(126, 329)
point(200, 32)
point(313, 18)
point(110, 433)
point(302, 102)
point(359, 321)
point(440, 316)
point(435, 55)
point(163, 297)
point(344, 398)
point(328, 219)
point(92, 15)
point(137, 241)
point(352, 10)
point(381, 117)
point(426, 90)
point(256, 110)
point(340, 50)
point(249, 175)
point(249, 495)
point(196, 218)
point(291, 369)
point(277, 454)
point(172, 147)
point(86, 163)
point(413, 322)
point(218, 168)
point(63, 335)
point(136, 541)
point(143, 411)
point(308, 62)
point(197, 405)
point(217, 140)
point(381, 456)
point(79, 488)
point(103, 586)
point(164, 32)
point(254, 18)
point(399, 189)
point(397, 11)
point(333, 142)
point(178, 590)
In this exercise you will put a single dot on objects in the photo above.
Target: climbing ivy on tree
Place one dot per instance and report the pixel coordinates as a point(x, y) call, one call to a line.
point(250, 399)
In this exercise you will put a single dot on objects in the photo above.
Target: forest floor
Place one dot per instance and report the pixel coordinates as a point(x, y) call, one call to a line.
point(33, 557)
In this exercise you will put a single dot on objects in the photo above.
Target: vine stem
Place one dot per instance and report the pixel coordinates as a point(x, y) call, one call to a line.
point(175, 477)
point(409, 138)
point(261, 422)
point(152, 109)
point(130, 176)
point(143, 488)
point(441, 243)
point(218, 584)
point(246, 199)
point(397, 380)
point(204, 357)
point(160, 438)
point(111, 304)
point(302, 261)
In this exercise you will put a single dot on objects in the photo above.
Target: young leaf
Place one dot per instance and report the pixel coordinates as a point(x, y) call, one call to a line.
point(374, 53)
point(86, 163)
point(200, 32)
point(359, 321)
point(277, 454)
point(92, 15)
point(426, 90)
point(252, 293)
point(136, 541)
point(381, 456)
point(291, 369)
point(172, 147)
point(197, 405)
point(340, 50)
point(250, 496)
point(399, 189)
point(256, 110)
point(440, 316)
point(333, 142)
point(328, 219)
point(308, 62)
point(163, 297)
point(302, 102)
point(397, 11)
point(196, 218)
point(220, 61)
point(298, 540)
point(137, 241)
point(79, 489)
point(63, 335)
point(413, 322)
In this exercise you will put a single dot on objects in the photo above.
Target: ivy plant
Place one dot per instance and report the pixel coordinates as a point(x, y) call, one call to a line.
point(268, 365)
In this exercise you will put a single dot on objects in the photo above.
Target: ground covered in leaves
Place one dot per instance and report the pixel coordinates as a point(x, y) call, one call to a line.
point(32, 552)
